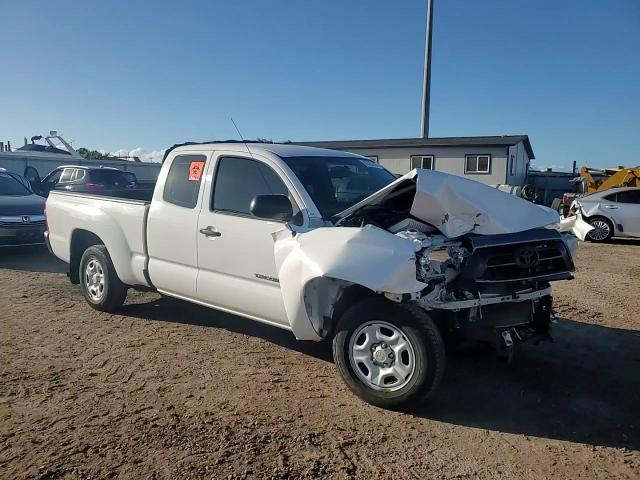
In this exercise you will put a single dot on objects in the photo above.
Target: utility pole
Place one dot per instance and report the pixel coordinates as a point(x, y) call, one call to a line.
point(426, 85)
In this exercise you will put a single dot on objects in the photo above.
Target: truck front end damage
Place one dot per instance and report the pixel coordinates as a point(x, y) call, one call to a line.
point(479, 261)
point(494, 288)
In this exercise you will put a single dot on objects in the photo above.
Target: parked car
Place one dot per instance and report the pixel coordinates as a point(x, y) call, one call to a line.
point(21, 212)
point(96, 180)
point(613, 212)
point(327, 245)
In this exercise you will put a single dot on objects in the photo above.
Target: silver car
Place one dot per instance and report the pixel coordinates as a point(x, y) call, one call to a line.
point(613, 212)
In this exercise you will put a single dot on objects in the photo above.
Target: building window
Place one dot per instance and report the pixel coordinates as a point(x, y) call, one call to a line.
point(477, 164)
point(422, 161)
point(373, 158)
point(512, 165)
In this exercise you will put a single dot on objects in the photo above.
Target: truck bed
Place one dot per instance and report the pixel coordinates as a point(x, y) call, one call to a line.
point(119, 223)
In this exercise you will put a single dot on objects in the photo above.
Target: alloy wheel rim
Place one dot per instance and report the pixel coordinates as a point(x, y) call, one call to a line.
point(94, 279)
point(381, 356)
point(600, 230)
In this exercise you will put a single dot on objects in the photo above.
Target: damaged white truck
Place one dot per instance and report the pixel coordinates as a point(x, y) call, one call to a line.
point(328, 245)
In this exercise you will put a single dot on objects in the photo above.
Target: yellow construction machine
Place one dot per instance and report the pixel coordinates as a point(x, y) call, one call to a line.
point(607, 178)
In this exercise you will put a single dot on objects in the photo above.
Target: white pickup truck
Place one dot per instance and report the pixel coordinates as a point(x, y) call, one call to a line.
point(328, 245)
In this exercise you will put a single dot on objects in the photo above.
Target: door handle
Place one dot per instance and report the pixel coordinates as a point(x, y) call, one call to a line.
point(210, 232)
point(611, 207)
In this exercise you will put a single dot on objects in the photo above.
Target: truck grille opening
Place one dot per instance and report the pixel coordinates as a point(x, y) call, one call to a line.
point(506, 263)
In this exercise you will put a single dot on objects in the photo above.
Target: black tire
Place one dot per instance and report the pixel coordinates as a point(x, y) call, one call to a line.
point(418, 329)
point(601, 225)
point(111, 295)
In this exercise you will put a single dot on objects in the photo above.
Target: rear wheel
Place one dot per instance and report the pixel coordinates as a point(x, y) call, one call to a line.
point(99, 282)
point(602, 229)
point(388, 354)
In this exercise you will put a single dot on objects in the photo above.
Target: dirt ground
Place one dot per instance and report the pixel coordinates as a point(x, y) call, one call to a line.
point(171, 390)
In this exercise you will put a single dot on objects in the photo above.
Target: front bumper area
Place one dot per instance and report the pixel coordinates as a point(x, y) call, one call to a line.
point(483, 300)
point(500, 322)
point(21, 235)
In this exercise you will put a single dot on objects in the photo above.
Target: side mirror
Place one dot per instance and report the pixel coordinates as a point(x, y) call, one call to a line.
point(272, 207)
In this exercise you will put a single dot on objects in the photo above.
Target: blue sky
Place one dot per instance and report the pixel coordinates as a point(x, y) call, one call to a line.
point(127, 74)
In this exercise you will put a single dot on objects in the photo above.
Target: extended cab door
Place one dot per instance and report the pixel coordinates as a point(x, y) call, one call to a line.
point(172, 224)
point(237, 270)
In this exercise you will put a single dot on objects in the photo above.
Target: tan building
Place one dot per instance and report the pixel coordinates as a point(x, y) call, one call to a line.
point(492, 160)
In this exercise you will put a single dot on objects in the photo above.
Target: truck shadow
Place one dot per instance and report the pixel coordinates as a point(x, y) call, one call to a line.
point(166, 309)
point(584, 387)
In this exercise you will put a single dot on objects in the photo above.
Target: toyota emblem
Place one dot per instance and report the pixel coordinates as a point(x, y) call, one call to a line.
point(527, 258)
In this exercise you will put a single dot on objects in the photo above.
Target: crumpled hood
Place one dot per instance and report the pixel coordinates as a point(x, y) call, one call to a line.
point(456, 205)
point(11, 205)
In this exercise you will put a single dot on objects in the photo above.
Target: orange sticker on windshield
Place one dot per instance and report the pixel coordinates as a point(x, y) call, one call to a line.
point(195, 171)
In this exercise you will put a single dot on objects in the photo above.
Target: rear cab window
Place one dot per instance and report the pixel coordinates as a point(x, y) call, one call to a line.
point(183, 180)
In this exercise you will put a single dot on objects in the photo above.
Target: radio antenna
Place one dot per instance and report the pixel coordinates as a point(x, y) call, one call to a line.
point(241, 137)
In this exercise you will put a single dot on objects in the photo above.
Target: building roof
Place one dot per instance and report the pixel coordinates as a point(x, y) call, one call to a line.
point(489, 141)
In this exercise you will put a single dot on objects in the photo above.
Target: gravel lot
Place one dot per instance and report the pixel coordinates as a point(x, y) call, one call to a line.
point(171, 390)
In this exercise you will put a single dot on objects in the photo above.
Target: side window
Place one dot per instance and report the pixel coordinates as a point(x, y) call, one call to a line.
point(78, 174)
point(55, 177)
point(66, 175)
point(183, 180)
point(238, 180)
point(611, 198)
point(629, 196)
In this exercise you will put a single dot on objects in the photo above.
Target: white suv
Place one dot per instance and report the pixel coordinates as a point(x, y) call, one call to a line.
point(614, 212)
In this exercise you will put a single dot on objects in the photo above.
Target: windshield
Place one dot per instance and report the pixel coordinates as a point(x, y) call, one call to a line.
point(337, 183)
point(10, 186)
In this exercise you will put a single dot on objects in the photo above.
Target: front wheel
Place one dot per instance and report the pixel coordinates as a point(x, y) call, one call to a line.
point(99, 281)
point(388, 354)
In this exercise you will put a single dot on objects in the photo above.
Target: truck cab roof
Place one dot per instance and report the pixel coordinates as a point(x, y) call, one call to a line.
point(283, 150)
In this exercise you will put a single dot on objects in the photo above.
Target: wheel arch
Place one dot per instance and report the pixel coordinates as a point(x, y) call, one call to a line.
point(347, 297)
point(324, 300)
point(80, 240)
point(599, 214)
